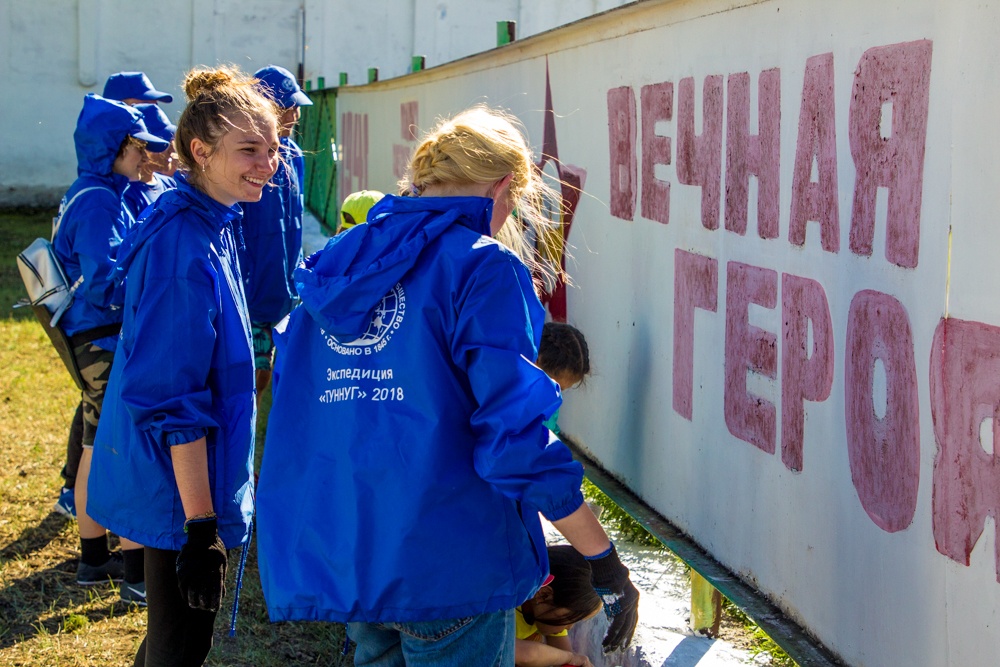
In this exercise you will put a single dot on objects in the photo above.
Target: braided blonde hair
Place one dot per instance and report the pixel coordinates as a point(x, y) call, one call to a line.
point(482, 145)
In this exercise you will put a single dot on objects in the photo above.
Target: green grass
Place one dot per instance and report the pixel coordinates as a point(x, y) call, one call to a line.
point(617, 518)
point(45, 619)
point(753, 639)
point(17, 230)
point(759, 640)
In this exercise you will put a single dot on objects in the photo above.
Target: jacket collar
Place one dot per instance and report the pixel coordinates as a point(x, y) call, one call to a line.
point(474, 213)
point(216, 213)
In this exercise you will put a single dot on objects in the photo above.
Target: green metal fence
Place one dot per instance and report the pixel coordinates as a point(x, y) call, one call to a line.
point(318, 138)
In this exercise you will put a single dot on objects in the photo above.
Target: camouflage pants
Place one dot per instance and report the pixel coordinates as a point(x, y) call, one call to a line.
point(263, 345)
point(95, 368)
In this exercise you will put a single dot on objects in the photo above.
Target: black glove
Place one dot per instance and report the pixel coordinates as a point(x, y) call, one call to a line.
point(621, 599)
point(201, 565)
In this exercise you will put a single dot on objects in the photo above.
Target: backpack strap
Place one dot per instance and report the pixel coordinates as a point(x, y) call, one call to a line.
point(57, 221)
point(67, 301)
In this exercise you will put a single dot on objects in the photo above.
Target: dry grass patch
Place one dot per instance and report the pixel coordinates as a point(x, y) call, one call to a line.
point(45, 618)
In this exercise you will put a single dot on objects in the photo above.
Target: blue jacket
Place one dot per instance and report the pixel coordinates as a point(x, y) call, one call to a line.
point(406, 460)
point(93, 227)
point(272, 229)
point(183, 369)
point(139, 196)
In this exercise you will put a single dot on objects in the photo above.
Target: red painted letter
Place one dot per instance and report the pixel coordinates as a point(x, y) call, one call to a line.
point(354, 133)
point(657, 102)
point(899, 74)
point(806, 372)
point(699, 158)
point(884, 453)
point(758, 155)
point(750, 418)
point(965, 391)
point(817, 141)
point(696, 285)
point(621, 140)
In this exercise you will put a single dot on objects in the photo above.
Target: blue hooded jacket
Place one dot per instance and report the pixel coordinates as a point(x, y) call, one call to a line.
point(183, 369)
point(272, 229)
point(93, 227)
point(406, 460)
point(139, 196)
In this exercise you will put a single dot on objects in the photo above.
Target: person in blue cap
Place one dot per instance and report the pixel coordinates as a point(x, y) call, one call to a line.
point(157, 173)
point(111, 142)
point(133, 88)
point(272, 227)
point(173, 458)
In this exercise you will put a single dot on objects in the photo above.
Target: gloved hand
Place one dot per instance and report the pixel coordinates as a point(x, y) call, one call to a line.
point(621, 599)
point(201, 565)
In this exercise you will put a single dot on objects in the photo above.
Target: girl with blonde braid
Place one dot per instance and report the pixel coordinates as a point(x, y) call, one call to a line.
point(406, 460)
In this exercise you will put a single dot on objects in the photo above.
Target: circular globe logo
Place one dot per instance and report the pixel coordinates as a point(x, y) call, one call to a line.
point(387, 318)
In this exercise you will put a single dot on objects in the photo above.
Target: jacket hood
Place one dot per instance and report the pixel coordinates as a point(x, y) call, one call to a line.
point(100, 130)
point(184, 196)
point(342, 284)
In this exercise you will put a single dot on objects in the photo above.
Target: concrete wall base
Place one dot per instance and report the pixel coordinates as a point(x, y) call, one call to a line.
point(31, 196)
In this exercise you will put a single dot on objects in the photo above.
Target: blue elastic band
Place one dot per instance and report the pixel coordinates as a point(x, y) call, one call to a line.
point(239, 579)
point(606, 552)
point(239, 235)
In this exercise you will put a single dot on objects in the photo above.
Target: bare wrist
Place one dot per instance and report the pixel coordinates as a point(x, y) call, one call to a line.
point(200, 517)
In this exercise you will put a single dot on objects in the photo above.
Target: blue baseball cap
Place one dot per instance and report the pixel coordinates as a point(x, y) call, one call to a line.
point(133, 85)
point(279, 85)
point(157, 122)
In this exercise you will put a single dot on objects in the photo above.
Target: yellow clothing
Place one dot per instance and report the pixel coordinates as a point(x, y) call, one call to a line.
point(525, 631)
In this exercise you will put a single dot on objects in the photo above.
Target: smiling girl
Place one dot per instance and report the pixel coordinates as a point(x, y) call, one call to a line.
point(178, 441)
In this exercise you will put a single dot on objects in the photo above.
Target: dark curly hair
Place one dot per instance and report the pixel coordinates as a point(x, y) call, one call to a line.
point(572, 590)
point(563, 350)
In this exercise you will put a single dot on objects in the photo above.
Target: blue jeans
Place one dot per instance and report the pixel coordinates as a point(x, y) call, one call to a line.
point(486, 640)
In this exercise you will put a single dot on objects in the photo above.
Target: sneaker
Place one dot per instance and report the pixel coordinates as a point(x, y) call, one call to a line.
point(66, 505)
point(112, 570)
point(133, 593)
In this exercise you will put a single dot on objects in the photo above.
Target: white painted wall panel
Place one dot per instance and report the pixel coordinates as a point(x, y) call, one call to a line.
point(57, 51)
point(863, 540)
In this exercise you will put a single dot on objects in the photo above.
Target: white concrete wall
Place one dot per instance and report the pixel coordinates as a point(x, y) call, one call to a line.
point(54, 52)
point(817, 409)
point(346, 36)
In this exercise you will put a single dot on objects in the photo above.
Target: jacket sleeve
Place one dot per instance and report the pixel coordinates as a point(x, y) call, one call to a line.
point(499, 321)
point(96, 234)
point(168, 356)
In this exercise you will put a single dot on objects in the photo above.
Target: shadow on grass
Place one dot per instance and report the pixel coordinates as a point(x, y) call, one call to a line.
point(35, 538)
point(53, 593)
point(289, 644)
point(259, 642)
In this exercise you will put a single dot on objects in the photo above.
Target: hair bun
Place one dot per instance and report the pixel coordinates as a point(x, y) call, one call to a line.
point(202, 80)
